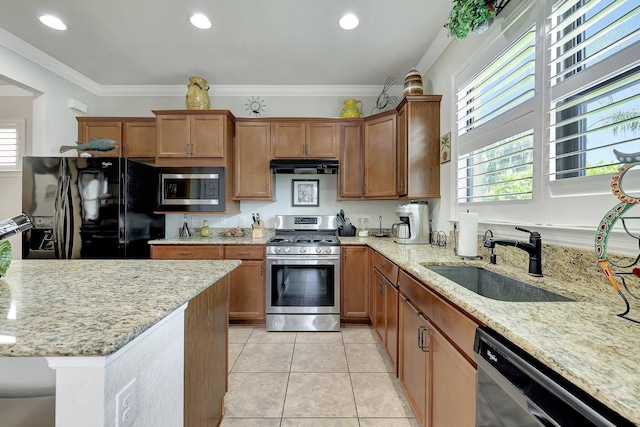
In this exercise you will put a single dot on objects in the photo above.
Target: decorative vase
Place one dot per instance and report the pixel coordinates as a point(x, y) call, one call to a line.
point(205, 231)
point(351, 108)
point(413, 83)
point(197, 94)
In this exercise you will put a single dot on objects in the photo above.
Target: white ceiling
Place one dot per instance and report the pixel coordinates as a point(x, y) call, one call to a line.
point(252, 42)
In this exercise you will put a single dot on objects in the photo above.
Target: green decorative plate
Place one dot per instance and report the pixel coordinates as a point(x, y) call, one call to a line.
point(5, 257)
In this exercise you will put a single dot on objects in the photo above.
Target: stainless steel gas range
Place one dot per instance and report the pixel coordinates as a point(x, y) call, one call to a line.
point(303, 274)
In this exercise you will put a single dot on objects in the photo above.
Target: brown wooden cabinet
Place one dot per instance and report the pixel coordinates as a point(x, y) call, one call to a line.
point(380, 167)
point(384, 277)
point(354, 283)
point(445, 336)
point(135, 136)
point(206, 356)
point(305, 139)
point(192, 134)
point(247, 284)
point(419, 146)
point(186, 252)
point(351, 171)
point(413, 360)
point(252, 176)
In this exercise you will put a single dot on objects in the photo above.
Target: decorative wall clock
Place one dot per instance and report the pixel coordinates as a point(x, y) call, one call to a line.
point(255, 106)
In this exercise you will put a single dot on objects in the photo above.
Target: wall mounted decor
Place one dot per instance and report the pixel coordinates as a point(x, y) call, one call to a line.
point(305, 192)
point(470, 15)
point(255, 106)
point(384, 100)
point(445, 147)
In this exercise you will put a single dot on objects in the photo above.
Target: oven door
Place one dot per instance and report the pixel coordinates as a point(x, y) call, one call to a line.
point(303, 284)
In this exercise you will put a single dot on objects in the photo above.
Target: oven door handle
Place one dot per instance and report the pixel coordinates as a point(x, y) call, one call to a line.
point(304, 258)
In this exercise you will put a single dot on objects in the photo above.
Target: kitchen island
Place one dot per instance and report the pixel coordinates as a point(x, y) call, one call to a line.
point(105, 324)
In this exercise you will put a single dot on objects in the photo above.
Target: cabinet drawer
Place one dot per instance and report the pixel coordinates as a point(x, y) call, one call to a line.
point(386, 267)
point(186, 251)
point(459, 328)
point(244, 252)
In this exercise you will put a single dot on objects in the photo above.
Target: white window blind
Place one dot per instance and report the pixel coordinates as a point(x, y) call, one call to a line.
point(505, 83)
point(595, 104)
point(494, 126)
point(498, 172)
point(11, 146)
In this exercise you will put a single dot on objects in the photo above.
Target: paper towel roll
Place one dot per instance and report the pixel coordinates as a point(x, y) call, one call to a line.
point(468, 235)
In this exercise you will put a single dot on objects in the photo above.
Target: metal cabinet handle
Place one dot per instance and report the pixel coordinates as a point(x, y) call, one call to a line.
point(380, 288)
point(186, 149)
point(186, 253)
point(421, 343)
point(243, 253)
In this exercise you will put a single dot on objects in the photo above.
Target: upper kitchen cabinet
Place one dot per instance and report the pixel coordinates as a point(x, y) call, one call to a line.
point(419, 146)
point(193, 134)
point(350, 173)
point(252, 176)
point(299, 139)
point(380, 164)
point(134, 136)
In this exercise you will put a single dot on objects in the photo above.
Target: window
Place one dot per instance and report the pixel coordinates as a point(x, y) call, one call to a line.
point(11, 145)
point(594, 80)
point(494, 118)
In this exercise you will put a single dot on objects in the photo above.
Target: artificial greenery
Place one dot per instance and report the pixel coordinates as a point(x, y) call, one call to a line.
point(466, 15)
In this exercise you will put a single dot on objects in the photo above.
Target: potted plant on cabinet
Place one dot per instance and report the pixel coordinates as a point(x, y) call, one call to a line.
point(470, 15)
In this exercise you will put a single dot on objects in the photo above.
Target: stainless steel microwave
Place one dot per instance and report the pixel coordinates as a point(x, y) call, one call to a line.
point(198, 189)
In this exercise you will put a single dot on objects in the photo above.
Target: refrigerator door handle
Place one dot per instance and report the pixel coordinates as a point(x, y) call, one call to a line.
point(56, 216)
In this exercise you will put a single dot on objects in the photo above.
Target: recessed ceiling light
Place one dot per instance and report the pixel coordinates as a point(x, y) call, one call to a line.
point(349, 21)
point(52, 22)
point(199, 20)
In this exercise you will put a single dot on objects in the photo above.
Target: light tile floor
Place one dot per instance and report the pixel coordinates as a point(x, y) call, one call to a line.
point(312, 379)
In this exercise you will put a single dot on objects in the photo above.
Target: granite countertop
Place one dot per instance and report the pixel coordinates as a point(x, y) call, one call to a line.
point(94, 307)
point(584, 341)
point(217, 238)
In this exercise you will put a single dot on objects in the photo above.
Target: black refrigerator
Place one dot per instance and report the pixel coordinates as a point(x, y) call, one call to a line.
point(85, 207)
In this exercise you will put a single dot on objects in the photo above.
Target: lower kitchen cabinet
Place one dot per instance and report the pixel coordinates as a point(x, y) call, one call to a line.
point(414, 364)
point(435, 370)
point(384, 276)
point(247, 284)
point(354, 282)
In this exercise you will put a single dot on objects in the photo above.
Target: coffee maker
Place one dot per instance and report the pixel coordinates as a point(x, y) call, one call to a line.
point(414, 225)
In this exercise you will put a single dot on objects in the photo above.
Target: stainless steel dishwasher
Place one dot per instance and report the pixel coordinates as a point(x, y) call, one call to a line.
point(515, 390)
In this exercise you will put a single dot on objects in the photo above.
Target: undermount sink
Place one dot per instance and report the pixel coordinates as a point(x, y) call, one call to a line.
point(494, 285)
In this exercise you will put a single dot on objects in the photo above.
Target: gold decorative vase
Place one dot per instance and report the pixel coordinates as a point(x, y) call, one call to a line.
point(197, 94)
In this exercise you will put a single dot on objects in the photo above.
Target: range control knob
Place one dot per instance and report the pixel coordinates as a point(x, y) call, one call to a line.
point(303, 250)
point(318, 249)
point(328, 250)
point(276, 250)
point(287, 249)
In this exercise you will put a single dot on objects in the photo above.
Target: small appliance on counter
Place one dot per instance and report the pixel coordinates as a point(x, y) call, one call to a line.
point(413, 227)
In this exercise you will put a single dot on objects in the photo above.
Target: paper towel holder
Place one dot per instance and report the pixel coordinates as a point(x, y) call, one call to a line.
point(455, 245)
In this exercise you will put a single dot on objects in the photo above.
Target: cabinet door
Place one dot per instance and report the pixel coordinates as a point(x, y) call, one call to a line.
point(454, 385)
point(139, 139)
point(322, 140)
point(350, 173)
point(288, 140)
point(354, 283)
point(413, 365)
point(402, 150)
point(391, 322)
point(101, 129)
point(380, 157)
point(207, 135)
point(252, 176)
point(174, 138)
point(380, 326)
point(247, 291)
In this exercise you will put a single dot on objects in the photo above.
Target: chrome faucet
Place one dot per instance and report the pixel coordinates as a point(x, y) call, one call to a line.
point(533, 248)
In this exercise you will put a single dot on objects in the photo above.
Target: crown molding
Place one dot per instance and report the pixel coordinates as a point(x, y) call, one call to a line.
point(37, 56)
point(434, 51)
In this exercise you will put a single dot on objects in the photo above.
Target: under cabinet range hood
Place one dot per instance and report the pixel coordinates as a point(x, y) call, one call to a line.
point(304, 166)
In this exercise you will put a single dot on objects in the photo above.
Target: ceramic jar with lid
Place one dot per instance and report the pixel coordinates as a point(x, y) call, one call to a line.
point(205, 231)
point(413, 83)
